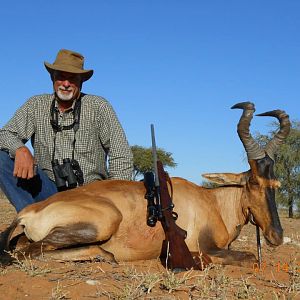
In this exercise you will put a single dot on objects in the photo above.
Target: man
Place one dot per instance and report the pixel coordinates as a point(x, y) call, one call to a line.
point(76, 138)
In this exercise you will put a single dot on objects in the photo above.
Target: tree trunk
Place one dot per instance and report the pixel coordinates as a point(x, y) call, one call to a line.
point(291, 204)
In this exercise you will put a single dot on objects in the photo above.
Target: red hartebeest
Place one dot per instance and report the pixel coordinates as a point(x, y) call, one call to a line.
point(107, 219)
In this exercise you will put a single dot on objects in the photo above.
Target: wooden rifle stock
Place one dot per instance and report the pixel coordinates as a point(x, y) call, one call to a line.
point(175, 254)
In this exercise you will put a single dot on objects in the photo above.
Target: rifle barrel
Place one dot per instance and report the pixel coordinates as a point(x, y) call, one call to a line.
point(154, 155)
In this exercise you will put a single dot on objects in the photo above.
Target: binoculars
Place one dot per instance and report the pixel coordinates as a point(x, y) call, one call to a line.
point(67, 175)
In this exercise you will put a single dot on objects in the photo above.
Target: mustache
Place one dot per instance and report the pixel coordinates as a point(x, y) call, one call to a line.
point(67, 89)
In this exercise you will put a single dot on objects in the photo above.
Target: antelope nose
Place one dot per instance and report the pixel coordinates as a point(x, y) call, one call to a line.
point(275, 236)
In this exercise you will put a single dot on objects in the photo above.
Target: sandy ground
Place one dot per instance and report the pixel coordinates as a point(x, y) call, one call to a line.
point(279, 277)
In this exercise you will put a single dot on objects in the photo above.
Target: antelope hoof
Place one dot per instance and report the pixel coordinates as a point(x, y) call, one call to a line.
point(6, 260)
point(110, 260)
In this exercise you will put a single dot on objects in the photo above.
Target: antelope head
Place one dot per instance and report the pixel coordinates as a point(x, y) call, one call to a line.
point(261, 183)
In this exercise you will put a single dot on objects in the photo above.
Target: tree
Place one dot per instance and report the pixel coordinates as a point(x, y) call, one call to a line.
point(143, 161)
point(287, 166)
point(209, 184)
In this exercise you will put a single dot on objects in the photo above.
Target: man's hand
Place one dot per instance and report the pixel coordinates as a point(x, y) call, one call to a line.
point(24, 163)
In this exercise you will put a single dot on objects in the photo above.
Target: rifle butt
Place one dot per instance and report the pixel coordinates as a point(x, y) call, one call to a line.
point(176, 256)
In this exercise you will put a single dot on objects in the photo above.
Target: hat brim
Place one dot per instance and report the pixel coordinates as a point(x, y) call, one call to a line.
point(85, 74)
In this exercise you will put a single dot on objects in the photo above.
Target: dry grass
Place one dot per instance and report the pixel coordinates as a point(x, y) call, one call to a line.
point(148, 280)
point(59, 293)
point(29, 266)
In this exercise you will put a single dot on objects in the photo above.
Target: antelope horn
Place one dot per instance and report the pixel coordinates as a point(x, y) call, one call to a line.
point(244, 105)
point(281, 135)
point(252, 148)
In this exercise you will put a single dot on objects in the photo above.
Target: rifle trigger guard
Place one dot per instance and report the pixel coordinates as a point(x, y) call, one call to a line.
point(170, 207)
point(174, 215)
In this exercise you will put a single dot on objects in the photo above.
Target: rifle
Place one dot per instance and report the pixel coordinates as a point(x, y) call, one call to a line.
point(175, 254)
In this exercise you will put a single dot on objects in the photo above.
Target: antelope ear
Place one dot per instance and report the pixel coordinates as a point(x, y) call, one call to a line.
point(228, 178)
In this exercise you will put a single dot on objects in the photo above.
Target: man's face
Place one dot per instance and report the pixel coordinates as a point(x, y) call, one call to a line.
point(67, 85)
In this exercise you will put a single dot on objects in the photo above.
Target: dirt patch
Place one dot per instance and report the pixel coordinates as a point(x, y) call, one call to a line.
point(279, 277)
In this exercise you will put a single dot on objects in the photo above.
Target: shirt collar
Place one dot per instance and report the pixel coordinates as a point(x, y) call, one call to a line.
point(69, 109)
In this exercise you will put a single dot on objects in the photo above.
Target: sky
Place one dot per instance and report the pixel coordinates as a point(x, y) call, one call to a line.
point(179, 65)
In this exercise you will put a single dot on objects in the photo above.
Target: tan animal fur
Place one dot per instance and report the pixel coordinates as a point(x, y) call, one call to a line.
point(107, 219)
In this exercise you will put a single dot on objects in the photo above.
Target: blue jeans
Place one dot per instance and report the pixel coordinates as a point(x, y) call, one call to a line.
point(22, 192)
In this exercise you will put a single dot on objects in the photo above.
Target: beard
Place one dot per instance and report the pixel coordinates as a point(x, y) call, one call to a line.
point(65, 94)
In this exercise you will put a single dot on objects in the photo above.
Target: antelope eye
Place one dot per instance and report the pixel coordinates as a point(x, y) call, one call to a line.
point(253, 181)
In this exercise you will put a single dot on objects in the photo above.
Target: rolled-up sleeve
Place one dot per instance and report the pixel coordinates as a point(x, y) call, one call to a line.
point(19, 129)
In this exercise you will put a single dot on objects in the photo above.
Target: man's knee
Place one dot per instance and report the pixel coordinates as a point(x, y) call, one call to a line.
point(6, 162)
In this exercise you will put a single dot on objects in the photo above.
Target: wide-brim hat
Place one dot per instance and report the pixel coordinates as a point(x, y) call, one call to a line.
point(71, 62)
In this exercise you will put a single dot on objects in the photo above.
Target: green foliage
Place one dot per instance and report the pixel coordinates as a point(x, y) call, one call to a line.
point(287, 166)
point(209, 184)
point(287, 169)
point(143, 161)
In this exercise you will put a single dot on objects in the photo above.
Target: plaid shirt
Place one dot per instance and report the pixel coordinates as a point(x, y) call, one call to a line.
point(99, 136)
